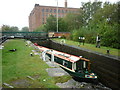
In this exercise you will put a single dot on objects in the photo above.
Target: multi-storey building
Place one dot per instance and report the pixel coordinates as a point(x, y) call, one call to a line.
point(39, 14)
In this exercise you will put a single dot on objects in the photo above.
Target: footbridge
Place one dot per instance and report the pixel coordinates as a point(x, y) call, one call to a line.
point(23, 35)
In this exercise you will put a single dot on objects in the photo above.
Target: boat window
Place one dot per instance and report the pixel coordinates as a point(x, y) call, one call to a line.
point(74, 66)
point(81, 65)
point(84, 64)
point(65, 63)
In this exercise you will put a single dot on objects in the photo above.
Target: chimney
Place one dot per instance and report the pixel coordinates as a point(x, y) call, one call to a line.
point(65, 3)
point(36, 5)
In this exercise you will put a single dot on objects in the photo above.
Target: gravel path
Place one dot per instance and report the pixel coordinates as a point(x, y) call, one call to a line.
point(52, 64)
point(56, 72)
point(83, 85)
point(74, 84)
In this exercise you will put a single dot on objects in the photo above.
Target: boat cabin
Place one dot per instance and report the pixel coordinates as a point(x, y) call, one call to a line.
point(75, 65)
point(71, 62)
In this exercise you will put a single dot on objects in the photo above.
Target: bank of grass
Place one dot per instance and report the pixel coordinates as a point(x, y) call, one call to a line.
point(92, 47)
point(18, 65)
point(62, 79)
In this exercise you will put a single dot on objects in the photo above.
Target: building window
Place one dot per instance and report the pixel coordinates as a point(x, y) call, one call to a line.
point(51, 10)
point(59, 15)
point(43, 10)
point(43, 14)
point(47, 10)
point(66, 11)
point(54, 10)
point(43, 20)
point(58, 11)
point(62, 11)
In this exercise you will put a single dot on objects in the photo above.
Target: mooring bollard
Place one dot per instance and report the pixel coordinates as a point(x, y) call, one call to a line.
point(31, 54)
point(108, 51)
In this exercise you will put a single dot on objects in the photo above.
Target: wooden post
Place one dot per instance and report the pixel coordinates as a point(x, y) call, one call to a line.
point(52, 55)
point(43, 56)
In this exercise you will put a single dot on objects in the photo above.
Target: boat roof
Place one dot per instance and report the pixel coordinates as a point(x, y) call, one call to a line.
point(62, 55)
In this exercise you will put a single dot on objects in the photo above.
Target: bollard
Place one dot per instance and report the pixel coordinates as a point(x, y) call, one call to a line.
point(31, 54)
point(108, 51)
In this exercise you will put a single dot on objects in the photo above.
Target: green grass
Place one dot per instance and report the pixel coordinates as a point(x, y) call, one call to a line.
point(62, 79)
point(92, 47)
point(18, 65)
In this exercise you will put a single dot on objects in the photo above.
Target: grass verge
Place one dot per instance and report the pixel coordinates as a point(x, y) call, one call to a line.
point(62, 79)
point(92, 47)
point(19, 64)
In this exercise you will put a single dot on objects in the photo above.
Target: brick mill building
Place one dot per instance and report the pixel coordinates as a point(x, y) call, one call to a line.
point(39, 14)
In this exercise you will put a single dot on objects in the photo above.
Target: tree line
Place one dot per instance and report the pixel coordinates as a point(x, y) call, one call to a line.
point(7, 28)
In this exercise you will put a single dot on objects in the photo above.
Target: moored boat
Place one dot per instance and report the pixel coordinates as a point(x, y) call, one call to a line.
point(76, 66)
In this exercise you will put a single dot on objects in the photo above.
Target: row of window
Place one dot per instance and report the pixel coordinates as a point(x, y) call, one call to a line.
point(47, 15)
point(59, 11)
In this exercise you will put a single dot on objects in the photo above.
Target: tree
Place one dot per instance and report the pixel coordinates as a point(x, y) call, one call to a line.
point(62, 25)
point(103, 20)
point(89, 10)
point(7, 28)
point(51, 23)
point(41, 28)
point(14, 29)
point(25, 29)
point(72, 21)
point(107, 23)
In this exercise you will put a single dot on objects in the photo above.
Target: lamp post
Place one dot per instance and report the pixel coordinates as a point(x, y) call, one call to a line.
point(57, 15)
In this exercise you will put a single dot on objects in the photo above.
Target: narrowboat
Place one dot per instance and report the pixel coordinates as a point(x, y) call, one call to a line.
point(76, 66)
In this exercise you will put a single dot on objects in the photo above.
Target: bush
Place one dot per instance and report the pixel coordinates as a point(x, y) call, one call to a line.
point(90, 36)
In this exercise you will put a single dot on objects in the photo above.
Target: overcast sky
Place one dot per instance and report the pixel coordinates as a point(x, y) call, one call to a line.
point(16, 12)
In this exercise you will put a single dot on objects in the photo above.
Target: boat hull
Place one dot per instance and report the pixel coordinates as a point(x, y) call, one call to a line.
point(80, 77)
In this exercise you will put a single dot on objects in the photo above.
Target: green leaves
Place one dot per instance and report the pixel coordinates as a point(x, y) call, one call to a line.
point(51, 24)
point(41, 28)
point(103, 20)
point(25, 29)
point(7, 28)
